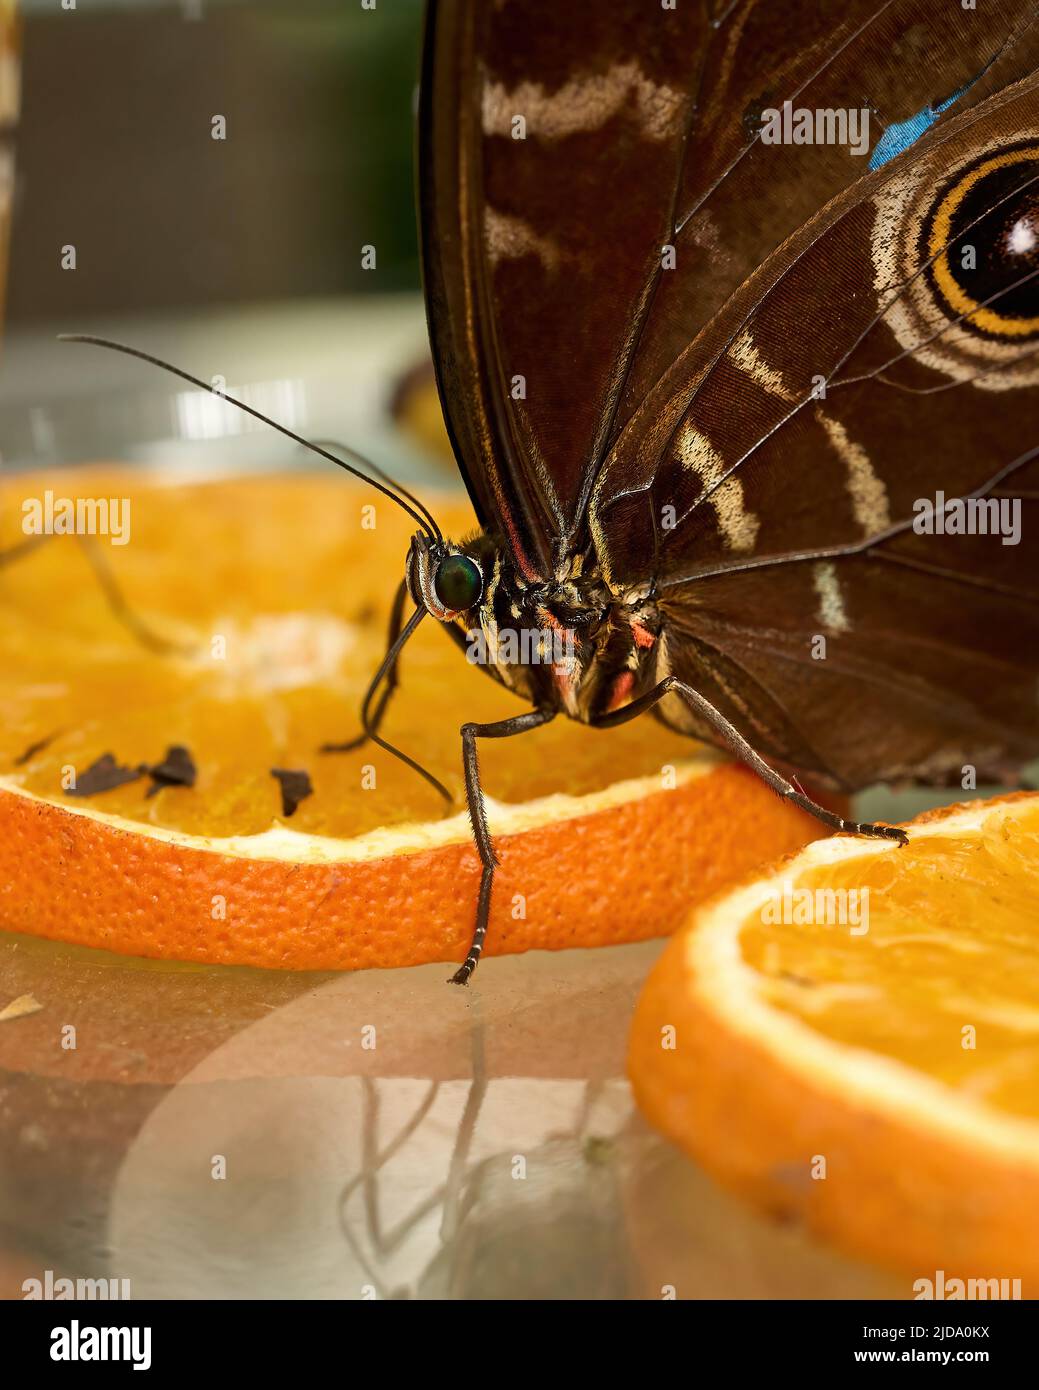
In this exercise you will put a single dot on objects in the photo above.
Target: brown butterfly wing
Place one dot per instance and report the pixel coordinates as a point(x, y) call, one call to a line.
point(550, 140)
point(794, 509)
point(550, 317)
point(741, 198)
point(587, 387)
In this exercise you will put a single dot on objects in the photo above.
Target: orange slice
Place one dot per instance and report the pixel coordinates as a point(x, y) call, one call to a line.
point(853, 1040)
point(275, 592)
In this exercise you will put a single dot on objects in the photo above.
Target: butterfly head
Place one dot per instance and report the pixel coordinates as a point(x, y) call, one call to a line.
point(443, 578)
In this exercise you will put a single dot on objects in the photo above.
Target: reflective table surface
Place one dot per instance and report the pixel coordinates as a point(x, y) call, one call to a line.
point(228, 1133)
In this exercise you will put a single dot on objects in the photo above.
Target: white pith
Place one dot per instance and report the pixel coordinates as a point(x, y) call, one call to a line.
point(282, 843)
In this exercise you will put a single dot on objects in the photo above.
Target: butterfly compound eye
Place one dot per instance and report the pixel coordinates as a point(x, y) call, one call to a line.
point(458, 582)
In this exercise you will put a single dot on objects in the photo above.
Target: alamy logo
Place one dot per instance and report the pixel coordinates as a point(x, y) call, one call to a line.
point(81, 1343)
point(528, 646)
point(941, 1288)
point(81, 516)
point(61, 1288)
point(969, 516)
point(787, 125)
point(823, 907)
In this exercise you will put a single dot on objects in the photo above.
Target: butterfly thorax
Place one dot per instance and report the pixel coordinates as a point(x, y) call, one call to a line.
point(566, 643)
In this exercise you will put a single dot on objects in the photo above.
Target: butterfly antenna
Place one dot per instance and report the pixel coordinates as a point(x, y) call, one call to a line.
point(360, 460)
point(387, 664)
point(381, 473)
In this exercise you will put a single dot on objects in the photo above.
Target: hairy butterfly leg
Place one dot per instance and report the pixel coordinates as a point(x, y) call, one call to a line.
point(740, 748)
point(505, 728)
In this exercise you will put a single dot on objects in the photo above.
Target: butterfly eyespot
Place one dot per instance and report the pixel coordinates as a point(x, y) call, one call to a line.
point(981, 243)
point(458, 582)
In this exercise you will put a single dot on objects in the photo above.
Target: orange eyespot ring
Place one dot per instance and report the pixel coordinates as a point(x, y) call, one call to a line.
point(993, 201)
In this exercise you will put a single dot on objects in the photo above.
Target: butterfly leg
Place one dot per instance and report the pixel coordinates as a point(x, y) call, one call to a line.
point(114, 596)
point(505, 728)
point(121, 609)
point(392, 680)
point(738, 745)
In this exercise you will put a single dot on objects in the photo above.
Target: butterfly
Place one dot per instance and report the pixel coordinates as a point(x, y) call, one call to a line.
point(734, 309)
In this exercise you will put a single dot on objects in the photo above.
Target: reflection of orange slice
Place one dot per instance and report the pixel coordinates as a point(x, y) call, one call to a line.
point(882, 1084)
point(279, 589)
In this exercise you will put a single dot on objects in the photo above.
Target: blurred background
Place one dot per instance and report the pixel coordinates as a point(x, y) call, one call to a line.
point(211, 181)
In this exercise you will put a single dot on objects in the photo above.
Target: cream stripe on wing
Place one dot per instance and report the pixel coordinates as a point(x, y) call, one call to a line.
point(832, 613)
point(698, 455)
point(745, 354)
point(508, 238)
point(869, 499)
point(584, 104)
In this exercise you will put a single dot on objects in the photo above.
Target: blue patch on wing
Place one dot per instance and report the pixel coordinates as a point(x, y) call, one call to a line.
point(902, 134)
